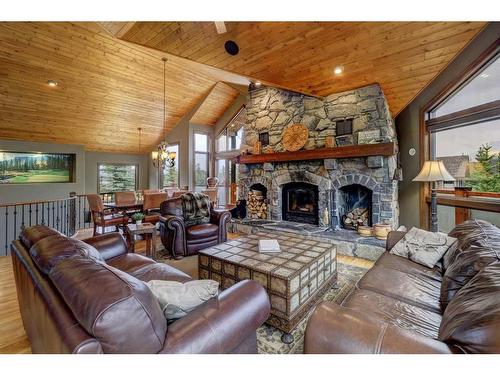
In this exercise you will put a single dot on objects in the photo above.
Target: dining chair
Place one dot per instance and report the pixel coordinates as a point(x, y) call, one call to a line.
point(123, 197)
point(151, 206)
point(102, 217)
point(126, 197)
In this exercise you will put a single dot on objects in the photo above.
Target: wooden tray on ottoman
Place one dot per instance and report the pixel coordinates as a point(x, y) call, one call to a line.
point(295, 279)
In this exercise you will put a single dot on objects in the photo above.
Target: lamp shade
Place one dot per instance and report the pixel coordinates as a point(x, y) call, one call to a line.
point(433, 170)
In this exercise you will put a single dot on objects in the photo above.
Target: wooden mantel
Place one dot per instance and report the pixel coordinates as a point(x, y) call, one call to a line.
point(354, 151)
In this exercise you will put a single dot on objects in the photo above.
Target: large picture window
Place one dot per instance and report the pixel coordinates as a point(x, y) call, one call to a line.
point(117, 177)
point(170, 175)
point(465, 130)
point(201, 160)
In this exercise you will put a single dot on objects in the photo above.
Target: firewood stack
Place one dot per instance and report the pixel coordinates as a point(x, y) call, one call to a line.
point(355, 218)
point(256, 205)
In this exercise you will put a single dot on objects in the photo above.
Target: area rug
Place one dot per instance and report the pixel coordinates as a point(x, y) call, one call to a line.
point(269, 338)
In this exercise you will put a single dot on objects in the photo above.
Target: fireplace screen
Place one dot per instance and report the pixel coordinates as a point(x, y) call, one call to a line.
point(300, 202)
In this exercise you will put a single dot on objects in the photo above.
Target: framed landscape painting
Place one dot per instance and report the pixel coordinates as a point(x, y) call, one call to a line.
point(32, 167)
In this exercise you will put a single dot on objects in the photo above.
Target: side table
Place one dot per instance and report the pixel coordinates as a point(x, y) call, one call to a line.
point(148, 231)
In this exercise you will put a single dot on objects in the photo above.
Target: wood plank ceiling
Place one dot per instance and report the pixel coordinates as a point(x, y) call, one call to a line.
point(215, 104)
point(403, 57)
point(107, 88)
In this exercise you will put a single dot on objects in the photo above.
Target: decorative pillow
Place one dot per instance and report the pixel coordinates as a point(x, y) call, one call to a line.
point(177, 299)
point(423, 247)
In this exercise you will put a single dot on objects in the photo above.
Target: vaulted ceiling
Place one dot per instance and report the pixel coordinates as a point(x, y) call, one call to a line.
point(110, 75)
point(107, 88)
point(402, 57)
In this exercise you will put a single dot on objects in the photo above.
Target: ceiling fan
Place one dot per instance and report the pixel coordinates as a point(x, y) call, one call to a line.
point(220, 26)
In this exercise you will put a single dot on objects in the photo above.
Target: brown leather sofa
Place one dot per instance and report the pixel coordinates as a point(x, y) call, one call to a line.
point(400, 306)
point(91, 297)
point(183, 240)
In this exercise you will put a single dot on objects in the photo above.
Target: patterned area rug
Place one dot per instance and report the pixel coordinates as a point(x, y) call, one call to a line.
point(269, 338)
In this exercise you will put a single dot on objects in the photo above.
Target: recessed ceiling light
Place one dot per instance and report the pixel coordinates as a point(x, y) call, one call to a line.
point(52, 83)
point(484, 75)
point(338, 70)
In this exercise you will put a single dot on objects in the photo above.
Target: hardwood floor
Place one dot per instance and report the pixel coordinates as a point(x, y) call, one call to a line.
point(13, 339)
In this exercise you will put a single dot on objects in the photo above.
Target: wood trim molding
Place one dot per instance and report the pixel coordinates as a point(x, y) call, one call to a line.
point(483, 112)
point(424, 136)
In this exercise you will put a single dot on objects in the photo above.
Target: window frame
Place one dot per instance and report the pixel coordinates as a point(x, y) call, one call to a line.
point(119, 164)
point(177, 158)
point(207, 153)
point(429, 125)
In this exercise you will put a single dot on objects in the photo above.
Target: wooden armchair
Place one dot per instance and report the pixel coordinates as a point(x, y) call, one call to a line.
point(102, 217)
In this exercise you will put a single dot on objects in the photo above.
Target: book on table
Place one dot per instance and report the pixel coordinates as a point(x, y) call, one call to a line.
point(269, 246)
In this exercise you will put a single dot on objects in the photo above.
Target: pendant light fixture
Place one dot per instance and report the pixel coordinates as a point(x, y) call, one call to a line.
point(161, 157)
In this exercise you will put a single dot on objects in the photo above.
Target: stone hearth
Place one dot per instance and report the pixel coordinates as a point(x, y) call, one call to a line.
point(271, 110)
point(348, 242)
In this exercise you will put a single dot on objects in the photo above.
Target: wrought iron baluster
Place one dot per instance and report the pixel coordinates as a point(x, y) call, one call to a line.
point(48, 214)
point(6, 229)
point(53, 214)
point(43, 213)
point(36, 212)
point(15, 221)
point(22, 217)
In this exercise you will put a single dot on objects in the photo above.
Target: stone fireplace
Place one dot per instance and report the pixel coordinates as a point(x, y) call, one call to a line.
point(322, 192)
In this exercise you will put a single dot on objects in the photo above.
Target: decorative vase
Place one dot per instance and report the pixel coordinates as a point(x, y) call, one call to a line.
point(380, 230)
point(138, 222)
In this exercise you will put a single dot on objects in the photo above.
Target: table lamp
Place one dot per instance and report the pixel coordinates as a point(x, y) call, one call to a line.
point(433, 171)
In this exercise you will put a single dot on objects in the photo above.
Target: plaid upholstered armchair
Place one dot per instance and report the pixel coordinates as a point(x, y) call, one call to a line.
point(189, 223)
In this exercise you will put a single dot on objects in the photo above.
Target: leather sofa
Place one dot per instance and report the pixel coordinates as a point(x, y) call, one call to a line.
point(91, 297)
point(184, 240)
point(400, 306)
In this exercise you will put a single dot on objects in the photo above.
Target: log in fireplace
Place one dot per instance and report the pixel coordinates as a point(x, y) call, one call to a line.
point(355, 206)
point(300, 202)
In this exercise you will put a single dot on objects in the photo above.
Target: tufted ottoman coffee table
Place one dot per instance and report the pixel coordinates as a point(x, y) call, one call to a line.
point(295, 279)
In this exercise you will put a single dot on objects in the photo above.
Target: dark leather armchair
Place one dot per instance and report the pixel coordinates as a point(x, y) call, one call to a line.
point(183, 240)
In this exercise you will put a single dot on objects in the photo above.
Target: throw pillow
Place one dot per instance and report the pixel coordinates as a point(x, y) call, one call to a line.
point(177, 299)
point(423, 247)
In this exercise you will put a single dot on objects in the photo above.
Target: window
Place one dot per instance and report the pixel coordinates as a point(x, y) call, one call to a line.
point(228, 144)
point(116, 177)
point(201, 160)
point(171, 174)
point(465, 130)
point(230, 138)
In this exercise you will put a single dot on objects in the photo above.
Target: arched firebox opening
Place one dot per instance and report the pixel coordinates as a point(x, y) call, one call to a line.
point(354, 206)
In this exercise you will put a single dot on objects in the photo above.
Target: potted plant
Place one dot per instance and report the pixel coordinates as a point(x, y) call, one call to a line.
point(138, 218)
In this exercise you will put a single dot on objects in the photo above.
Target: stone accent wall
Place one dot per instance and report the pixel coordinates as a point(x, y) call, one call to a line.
point(272, 110)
